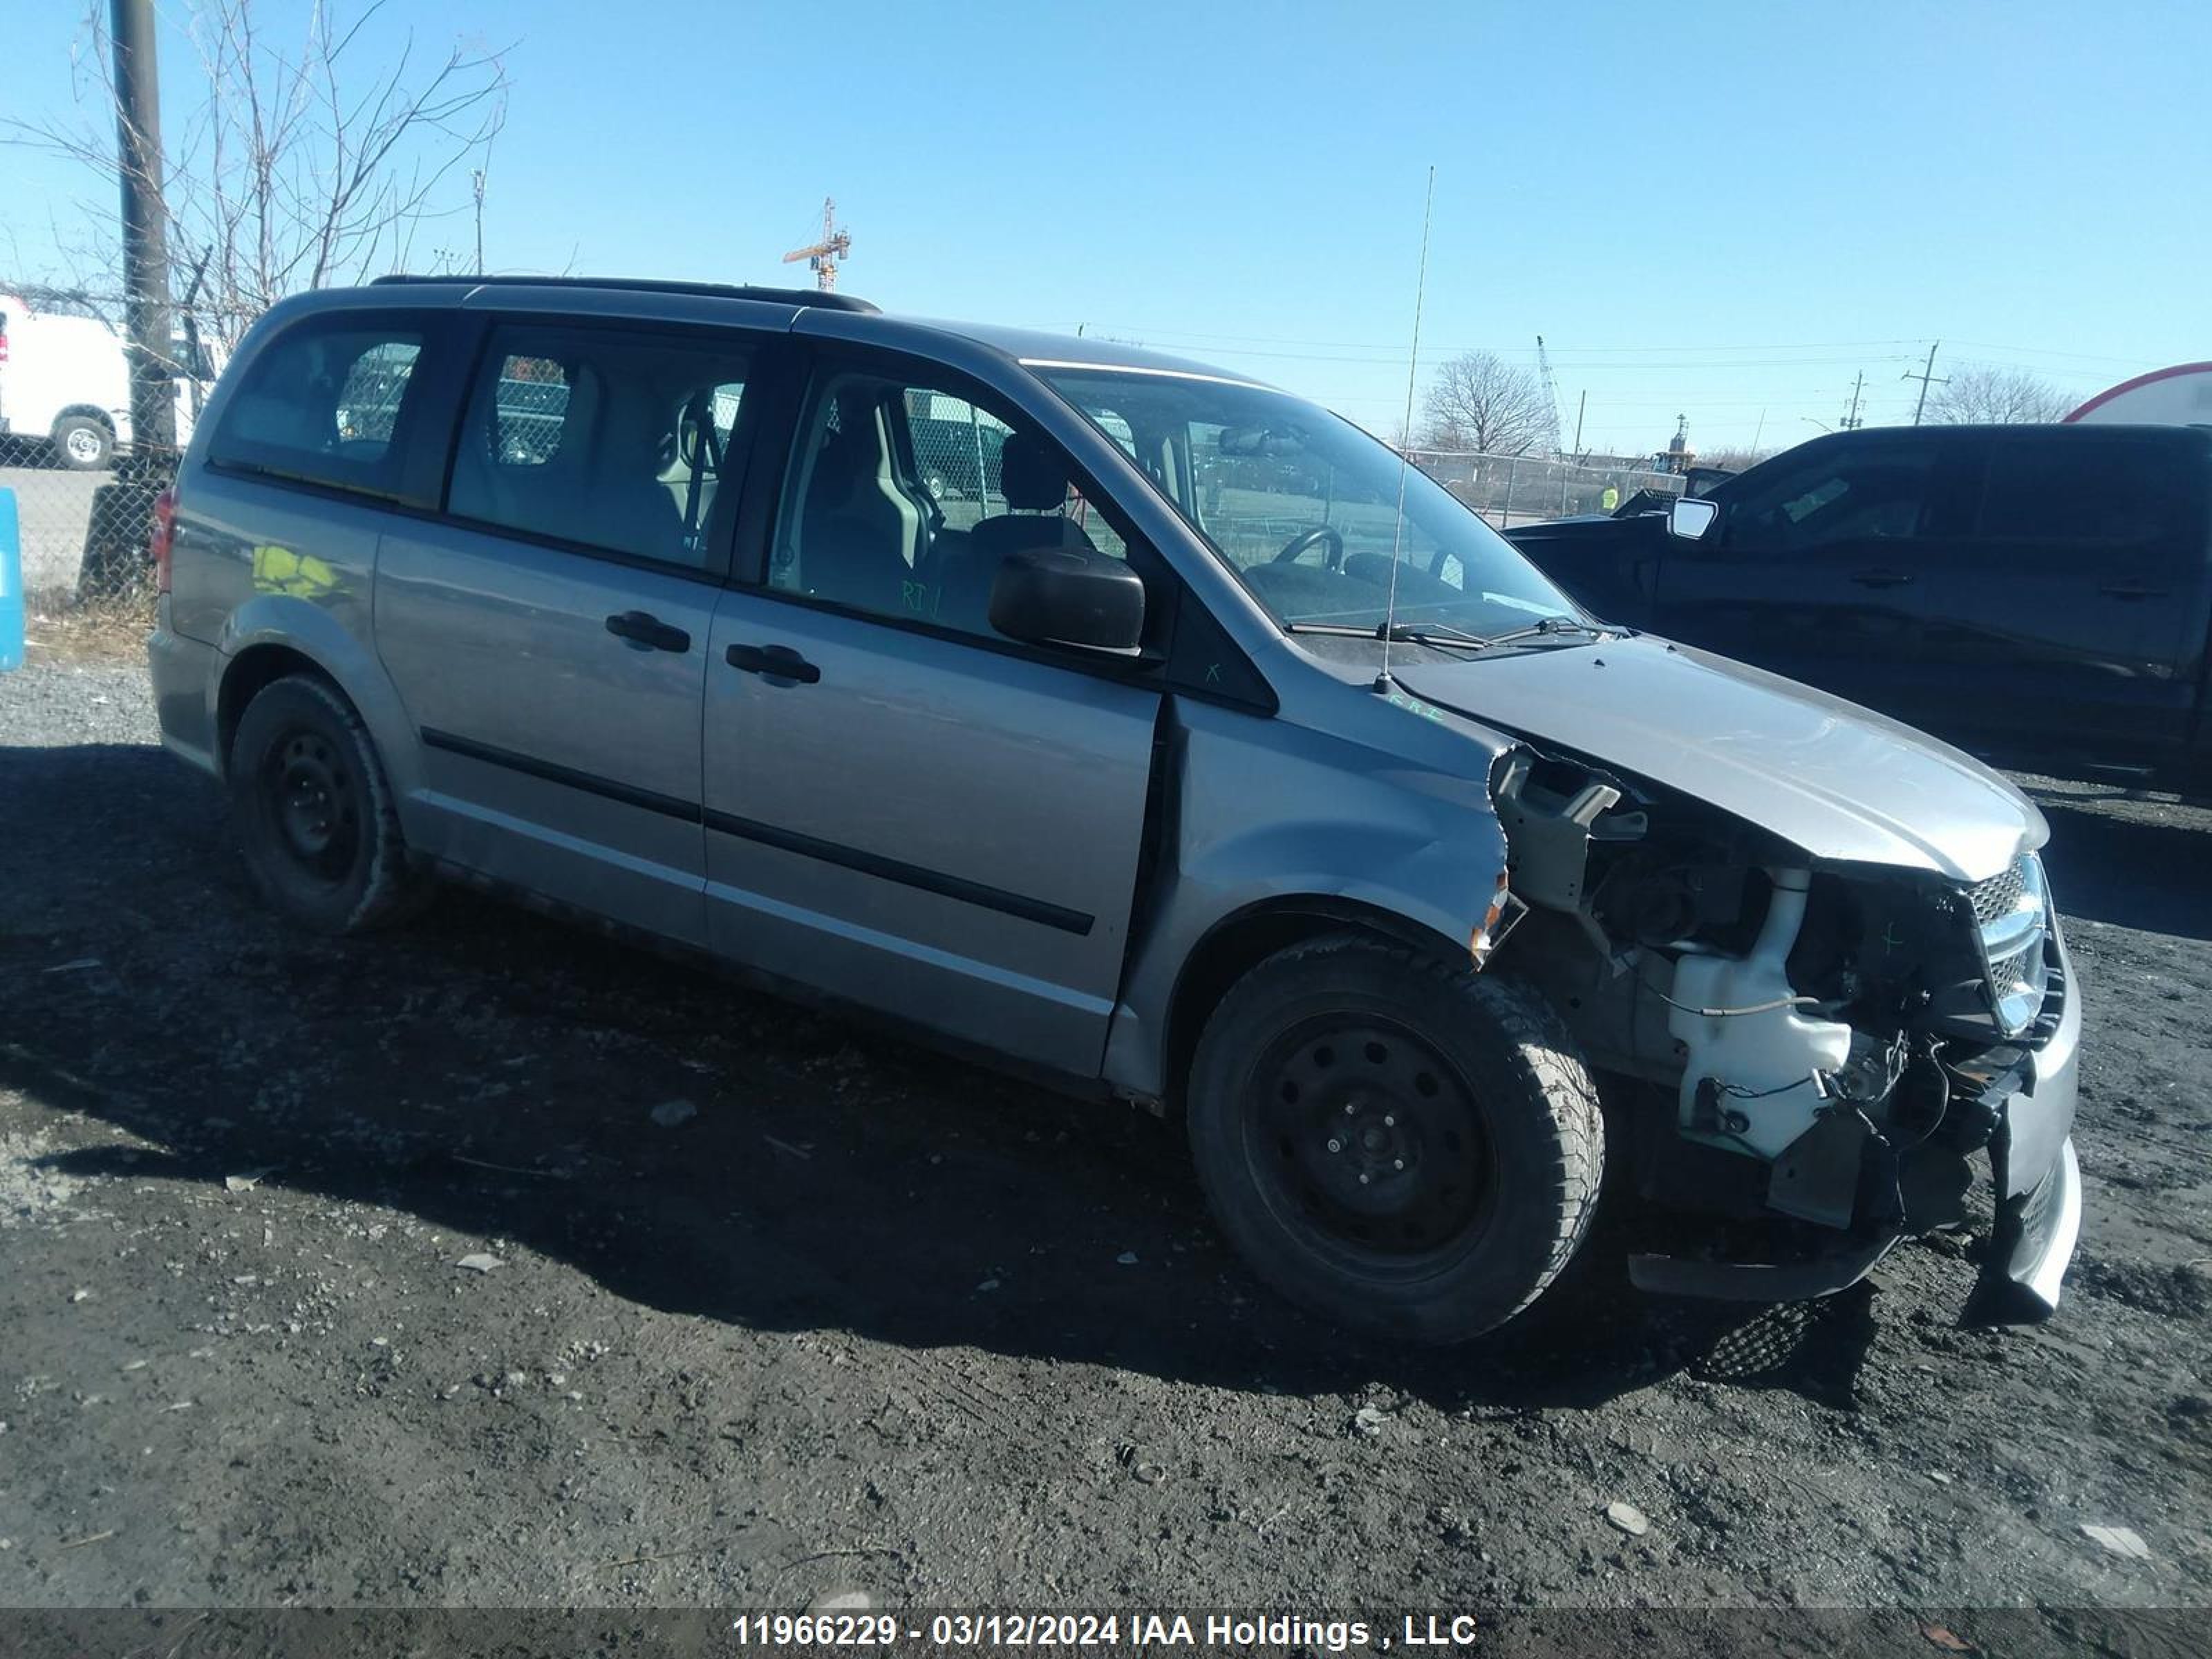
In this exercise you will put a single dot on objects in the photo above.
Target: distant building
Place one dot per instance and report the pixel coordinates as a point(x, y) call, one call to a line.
point(1678, 457)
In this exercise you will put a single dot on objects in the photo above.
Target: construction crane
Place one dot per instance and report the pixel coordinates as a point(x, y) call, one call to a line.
point(824, 256)
point(1551, 434)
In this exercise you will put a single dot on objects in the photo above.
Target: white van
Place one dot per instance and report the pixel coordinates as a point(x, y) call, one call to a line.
point(67, 380)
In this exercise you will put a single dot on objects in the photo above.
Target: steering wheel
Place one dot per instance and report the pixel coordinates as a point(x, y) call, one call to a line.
point(1295, 547)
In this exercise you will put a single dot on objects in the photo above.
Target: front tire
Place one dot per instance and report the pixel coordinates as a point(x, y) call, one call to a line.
point(1394, 1142)
point(314, 811)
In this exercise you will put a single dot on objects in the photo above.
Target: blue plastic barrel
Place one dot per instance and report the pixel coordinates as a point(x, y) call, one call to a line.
point(11, 585)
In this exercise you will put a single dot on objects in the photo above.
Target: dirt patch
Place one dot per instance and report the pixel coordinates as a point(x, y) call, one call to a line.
point(106, 631)
point(32, 1190)
point(866, 1320)
point(2176, 1290)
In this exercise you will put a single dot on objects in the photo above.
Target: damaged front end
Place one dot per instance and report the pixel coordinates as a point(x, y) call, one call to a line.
point(1808, 1055)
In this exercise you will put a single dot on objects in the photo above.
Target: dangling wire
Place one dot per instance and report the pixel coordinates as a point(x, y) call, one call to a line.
point(1382, 681)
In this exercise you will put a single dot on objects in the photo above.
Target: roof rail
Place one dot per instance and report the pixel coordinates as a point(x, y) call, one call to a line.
point(782, 296)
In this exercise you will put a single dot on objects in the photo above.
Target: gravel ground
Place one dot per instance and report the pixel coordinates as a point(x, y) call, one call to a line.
point(869, 1320)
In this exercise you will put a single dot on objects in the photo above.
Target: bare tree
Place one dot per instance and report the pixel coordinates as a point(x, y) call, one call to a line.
point(1985, 394)
point(1479, 401)
point(302, 163)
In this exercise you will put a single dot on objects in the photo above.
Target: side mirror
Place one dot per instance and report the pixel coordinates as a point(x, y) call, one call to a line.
point(1690, 517)
point(1066, 596)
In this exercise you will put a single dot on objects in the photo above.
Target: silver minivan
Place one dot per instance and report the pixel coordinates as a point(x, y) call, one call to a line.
point(1143, 728)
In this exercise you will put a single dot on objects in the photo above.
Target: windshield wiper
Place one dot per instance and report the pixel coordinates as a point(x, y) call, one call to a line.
point(1442, 635)
point(1397, 633)
point(1549, 625)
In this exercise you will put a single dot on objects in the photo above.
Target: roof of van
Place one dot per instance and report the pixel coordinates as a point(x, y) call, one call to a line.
point(1033, 348)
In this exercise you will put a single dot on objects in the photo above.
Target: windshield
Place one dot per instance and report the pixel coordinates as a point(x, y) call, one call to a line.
point(1304, 507)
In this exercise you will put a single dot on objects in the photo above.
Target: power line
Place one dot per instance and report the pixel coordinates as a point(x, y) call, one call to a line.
point(1580, 363)
point(1589, 356)
point(2047, 351)
point(1564, 351)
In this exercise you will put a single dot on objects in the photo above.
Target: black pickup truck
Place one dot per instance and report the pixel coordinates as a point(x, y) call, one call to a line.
point(2041, 594)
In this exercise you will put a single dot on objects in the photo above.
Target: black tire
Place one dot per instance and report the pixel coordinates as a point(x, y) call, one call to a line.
point(83, 443)
point(1460, 1098)
point(314, 811)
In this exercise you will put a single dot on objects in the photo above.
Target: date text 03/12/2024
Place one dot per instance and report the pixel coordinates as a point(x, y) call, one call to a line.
point(1079, 1630)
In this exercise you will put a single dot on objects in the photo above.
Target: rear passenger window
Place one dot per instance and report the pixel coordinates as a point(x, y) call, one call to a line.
point(529, 410)
point(624, 442)
point(324, 404)
point(2086, 493)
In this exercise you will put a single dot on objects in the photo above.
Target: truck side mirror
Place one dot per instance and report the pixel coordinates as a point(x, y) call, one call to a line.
point(1068, 596)
point(1689, 517)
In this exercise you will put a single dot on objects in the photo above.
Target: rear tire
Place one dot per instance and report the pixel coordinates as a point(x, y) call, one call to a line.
point(314, 812)
point(83, 443)
point(1394, 1142)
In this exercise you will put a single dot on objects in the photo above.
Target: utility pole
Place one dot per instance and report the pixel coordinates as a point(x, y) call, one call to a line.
point(145, 228)
point(1581, 406)
point(1927, 377)
point(1851, 421)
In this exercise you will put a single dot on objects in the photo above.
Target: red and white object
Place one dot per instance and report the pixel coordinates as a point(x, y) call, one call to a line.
point(2180, 396)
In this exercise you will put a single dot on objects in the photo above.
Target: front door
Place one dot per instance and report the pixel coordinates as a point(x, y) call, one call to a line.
point(1815, 570)
point(548, 635)
point(904, 808)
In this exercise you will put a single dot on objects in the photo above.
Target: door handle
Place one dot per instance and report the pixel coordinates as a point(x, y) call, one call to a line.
point(1881, 578)
point(648, 632)
point(2132, 591)
point(777, 662)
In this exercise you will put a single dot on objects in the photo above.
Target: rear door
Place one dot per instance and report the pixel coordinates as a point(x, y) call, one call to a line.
point(549, 633)
point(903, 808)
point(2076, 615)
point(1815, 568)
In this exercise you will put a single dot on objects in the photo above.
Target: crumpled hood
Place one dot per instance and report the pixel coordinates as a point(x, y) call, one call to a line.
point(1840, 781)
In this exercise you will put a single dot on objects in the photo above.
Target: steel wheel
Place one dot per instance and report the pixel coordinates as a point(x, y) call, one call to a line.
point(1371, 1136)
point(314, 802)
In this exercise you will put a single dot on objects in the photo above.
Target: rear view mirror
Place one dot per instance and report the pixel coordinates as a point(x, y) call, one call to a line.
point(1690, 517)
point(1066, 596)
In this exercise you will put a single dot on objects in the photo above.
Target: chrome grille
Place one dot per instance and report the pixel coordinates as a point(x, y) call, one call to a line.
point(2011, 920)
point(1999, 897)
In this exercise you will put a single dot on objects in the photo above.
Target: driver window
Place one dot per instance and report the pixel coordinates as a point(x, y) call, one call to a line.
point(903, 500)
point(1871, 493)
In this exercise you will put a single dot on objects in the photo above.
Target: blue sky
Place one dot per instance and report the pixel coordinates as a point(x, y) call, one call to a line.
point(1721, 209)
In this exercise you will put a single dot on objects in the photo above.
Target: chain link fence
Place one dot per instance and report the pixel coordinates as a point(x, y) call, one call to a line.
point(1510, 489)
point(83, 527)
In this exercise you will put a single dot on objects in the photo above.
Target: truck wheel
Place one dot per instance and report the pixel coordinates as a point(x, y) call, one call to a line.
point(314, 811)
point(1389, 1139)
point(83, 444)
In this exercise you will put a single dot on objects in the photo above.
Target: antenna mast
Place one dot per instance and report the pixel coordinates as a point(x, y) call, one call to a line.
point(822, 258)
point(1384, 683)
